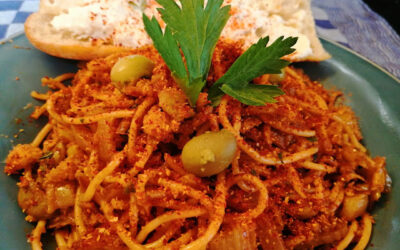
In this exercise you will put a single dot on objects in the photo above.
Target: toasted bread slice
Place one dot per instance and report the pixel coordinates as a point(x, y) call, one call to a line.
point(45, 37)
point(40, 33)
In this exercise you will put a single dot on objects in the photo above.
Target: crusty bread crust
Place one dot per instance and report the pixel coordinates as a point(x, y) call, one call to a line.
point(45, 38)
point(319, 53)
point(41, 35)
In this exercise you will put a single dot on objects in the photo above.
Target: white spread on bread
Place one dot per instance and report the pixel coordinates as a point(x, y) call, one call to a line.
point(120, 21)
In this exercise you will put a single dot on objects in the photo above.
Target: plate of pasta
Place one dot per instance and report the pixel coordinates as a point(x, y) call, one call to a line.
point(302, 157)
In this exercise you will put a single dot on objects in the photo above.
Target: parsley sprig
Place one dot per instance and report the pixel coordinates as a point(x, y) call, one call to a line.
point(195, 30)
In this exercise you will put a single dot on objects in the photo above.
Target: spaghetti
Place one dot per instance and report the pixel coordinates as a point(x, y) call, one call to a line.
point(106, 172)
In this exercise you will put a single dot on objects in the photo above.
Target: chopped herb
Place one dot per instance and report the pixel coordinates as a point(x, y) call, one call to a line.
point(82, 120)
point(280, 156)
point(47, 155)
point(312, 139)
point(195, 30)
point(315, 157)
point(253, 172)
point(42, 168)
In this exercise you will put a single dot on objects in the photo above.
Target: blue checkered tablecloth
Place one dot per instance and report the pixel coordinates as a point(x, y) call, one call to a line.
point(350, 23)
point(13, 15)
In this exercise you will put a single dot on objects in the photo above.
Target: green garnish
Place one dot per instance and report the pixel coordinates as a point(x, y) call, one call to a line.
point(47, 155)
point(195, 30)
point(312, 139)
point(256, 61)
point(280, 156)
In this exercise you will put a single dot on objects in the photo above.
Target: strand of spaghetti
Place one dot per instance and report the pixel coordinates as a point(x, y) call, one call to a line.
point(41, 135)
point(56, 83)
point(133, 214)
point(237, 124)
point(294, 179)
point(64, 77)
point(156, 244)
point(38, 112)
point(366, 233)
point(80, 226)
point(168, 230)
point(166, 217)
point(320, 101)
point(251, 151)
point(40, 96)
point(36, 233)
point(216, 217)
point(317, 166)
point(237, 118)
point(213, 119)
point(169, 204)
point(140, 187)
point(144, 157)
point(92, 109)
point(178, 188)
point(293, 131)
point(174, 165)
point(96, 118)
point(262, 196)
point(84, 119)
point(60, 240)
point(122, 233)
point(121, 179)
point(349, 236)
point(349, 131)
point(135, 125)
point(294, 74)
point(235, 163)
point(309, 107)
point(182, 240)
point(236, 170)
point(125, 237)
point(336, 196)
point(52, 83)
point(71, 238)
point(98, 179)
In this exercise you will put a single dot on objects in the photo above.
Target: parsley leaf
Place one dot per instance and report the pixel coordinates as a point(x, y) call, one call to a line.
point(252, 94)
point(168, 49)
point(254, 62)
point(196, 30)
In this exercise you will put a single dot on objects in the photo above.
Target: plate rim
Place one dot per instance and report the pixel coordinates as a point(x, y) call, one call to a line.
point(391, 75)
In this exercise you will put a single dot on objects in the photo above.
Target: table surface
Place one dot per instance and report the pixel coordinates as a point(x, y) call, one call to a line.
point(350, 23)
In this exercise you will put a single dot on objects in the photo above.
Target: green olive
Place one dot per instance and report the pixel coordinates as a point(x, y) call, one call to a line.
point(277, 78)
point(210, 153)
point(131, 68)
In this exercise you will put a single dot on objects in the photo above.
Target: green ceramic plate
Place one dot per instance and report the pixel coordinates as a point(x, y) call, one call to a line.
point(374, 95)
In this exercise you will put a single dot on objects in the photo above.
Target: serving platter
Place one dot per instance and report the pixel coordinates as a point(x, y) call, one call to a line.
point(372, 92)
